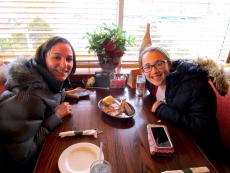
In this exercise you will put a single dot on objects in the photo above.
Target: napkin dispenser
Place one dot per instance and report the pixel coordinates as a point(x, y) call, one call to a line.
point(102, 79)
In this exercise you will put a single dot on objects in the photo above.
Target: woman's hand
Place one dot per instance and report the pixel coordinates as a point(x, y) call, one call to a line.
point(155, 106)
point(63, 109)
point(72, 93)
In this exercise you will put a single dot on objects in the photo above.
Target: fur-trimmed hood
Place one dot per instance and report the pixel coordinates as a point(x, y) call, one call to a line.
point(28, 74)
point(216, 73)
point(17, 74)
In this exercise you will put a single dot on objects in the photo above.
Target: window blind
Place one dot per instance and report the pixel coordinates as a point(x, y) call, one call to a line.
point(186, 28)
point(25, 24)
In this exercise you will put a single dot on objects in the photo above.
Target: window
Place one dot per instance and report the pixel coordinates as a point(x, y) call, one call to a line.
point(186, 28)
point(183, 27)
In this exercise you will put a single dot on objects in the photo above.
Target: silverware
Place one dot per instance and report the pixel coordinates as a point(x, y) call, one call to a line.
point(98, 130)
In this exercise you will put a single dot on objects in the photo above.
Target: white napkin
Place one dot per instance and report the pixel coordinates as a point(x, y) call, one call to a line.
point(79, 133)
point(190, 170)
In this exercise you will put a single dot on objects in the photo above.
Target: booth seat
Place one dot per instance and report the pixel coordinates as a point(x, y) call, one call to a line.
point(2, 66)
point(1, 88)
point(222, 162)
point(223, 117)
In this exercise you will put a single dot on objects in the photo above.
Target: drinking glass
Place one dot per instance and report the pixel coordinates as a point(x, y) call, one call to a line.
point(100, 166)
point(140, 85)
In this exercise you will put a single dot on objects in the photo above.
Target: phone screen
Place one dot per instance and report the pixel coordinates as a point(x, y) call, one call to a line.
point(82, 93)
point(160, 137)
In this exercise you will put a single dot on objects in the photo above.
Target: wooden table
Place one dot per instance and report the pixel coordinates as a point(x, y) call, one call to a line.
point(125, 143)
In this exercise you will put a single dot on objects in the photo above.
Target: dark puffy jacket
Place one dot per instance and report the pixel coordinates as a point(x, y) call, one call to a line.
point(26, 114)
point(190, 102)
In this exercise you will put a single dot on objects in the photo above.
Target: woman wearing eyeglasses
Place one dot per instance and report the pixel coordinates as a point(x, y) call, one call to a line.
point(182, 94)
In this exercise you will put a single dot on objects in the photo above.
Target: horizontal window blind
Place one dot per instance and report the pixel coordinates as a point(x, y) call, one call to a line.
point(186, 28)
point(25, 24)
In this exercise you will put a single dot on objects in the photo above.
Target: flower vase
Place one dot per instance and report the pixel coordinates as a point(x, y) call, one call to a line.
point(111, 65)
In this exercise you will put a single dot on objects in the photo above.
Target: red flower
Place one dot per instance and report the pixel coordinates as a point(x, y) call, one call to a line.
point(109, 46)
point(117, 53)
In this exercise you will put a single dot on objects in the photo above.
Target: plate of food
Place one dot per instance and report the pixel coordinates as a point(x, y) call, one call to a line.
point(78, 157)
point(117, 108)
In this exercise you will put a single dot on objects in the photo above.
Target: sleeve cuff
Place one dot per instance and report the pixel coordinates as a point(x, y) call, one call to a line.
point(52, 122)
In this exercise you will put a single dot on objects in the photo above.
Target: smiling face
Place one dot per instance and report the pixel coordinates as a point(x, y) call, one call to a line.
point(158, 72)
point(59, 61)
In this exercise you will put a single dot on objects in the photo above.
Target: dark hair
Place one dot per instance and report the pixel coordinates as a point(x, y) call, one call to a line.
point(154, 49)
point(40, 56)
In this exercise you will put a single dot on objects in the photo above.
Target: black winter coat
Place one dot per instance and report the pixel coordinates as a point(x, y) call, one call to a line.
point(190, 102)
point(27, 114)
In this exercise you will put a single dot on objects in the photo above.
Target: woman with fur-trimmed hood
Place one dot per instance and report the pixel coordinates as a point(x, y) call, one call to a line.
point(182, 94)
point(33, 103)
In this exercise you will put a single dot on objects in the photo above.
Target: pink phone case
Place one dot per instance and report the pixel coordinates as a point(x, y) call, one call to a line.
point(154, 149)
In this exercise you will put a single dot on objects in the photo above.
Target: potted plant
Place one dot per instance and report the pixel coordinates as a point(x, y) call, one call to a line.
point(109, 44)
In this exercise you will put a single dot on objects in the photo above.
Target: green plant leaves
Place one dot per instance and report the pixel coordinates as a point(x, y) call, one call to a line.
point(109, 41)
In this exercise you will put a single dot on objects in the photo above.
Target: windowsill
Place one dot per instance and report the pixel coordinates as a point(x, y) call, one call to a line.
point(92, 70)
point(84, 73)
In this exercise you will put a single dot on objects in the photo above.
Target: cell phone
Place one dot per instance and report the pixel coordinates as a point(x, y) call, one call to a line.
point(159, 140)
point(83, 93)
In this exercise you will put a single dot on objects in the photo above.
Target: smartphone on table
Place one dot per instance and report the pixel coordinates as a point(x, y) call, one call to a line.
point(159, 140)
point(83, 93)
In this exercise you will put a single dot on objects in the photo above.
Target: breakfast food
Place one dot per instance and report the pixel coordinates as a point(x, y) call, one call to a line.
point(128, 109)
point(122, 105)
point(116, 107)
point(109, 100)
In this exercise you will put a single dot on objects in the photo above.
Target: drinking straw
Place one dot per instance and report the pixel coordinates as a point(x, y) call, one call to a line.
point(100, 152)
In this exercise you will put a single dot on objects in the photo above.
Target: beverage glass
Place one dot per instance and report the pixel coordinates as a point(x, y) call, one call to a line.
point(100, 166)
point(140, 85)
point(117, 81)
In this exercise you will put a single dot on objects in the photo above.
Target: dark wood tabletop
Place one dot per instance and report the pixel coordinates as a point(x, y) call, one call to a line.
point(125, 142)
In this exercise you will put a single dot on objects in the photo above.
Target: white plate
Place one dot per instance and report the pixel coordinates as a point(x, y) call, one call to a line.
point(77, 158)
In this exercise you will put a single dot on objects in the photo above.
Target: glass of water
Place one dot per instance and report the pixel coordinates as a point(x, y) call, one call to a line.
point(140, 85)
point(101, 166)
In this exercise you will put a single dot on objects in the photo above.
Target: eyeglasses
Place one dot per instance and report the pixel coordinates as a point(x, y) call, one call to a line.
point(159, 65)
